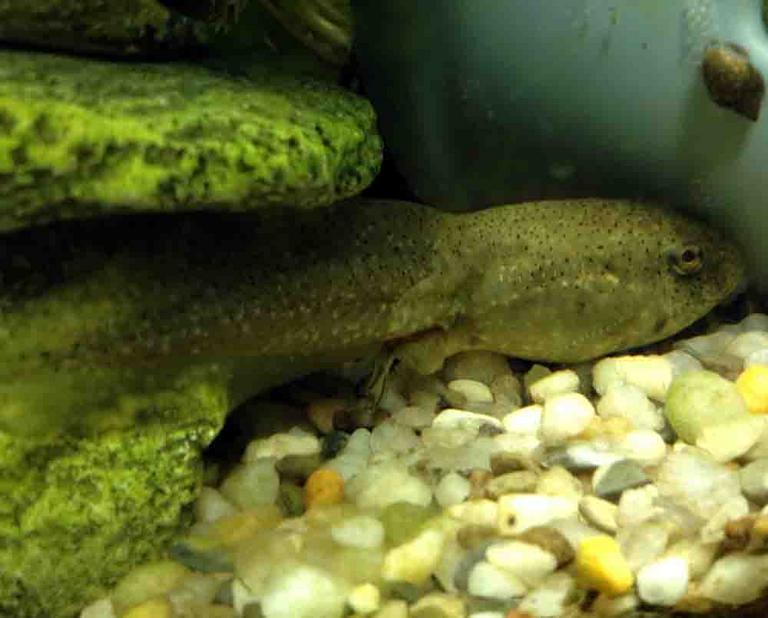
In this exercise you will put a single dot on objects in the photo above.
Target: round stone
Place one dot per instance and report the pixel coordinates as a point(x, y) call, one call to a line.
point(362, 532)
point(556, 383)
point(701, 398)
point(663, 582)
point(611, 481)
point(754, 481)
point(492, 582)
point(565, 416)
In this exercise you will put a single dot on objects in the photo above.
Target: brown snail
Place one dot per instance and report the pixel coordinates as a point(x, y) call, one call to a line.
point(732, 80)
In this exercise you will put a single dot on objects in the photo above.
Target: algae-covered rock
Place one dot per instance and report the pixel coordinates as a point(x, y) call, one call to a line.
point(138, 27)
point(77, 514)
point(83, 137)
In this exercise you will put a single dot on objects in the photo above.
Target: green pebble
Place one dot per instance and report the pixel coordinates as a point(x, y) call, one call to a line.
point(290, 499)
point(698, 399)
point(203, 560)
point(298, 467)
point(403, 521)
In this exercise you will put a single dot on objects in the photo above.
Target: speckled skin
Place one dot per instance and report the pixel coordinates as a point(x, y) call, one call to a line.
point(259, 299)
point(138, 27)
point(81, 138)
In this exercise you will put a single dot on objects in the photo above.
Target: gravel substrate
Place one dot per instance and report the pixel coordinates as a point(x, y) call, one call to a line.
point(634, 484)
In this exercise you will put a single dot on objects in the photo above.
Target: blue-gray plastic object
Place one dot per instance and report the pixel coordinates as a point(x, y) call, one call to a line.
point(490, 101)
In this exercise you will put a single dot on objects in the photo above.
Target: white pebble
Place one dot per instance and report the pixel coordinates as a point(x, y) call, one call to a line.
point(354, 456)
point(529, 563)
point(414, 561)
point(642, 544)
point(557, 383)
point(758, 357)
point(489, 614)
point(663, 582)
point(452, 489)
point(735, 579)
point(252, 484)
point(391, 437)
point(525, 420)
point(557, 481)
point(364, 598)
point(754, 321)
point(380, 485)
point(638, 505)
point(645, 446)
point(699, 556)
point(476, 512)
point(600, 513)
point(452, 418)
point(707, 346)
point(518, 512)
point(362, 532)
point(303, 592)
point(211, 505)
point(565, 416)
point(393, 609)
point(629, 402)
point(692, 480)
point(682, 362)
point(714, 530)
point(747, 343)
point(549, 599)
point(518, 445)
point(99, 609)
point(730, 439)
point(490, 582)
point(472, 390)
point(294, 443)
point(651, 374)
point(574, 530)
point(415, 417)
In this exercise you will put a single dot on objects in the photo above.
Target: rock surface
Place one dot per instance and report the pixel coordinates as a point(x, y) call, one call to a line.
point(83, 137)
point(78, 514)
point(121, 28)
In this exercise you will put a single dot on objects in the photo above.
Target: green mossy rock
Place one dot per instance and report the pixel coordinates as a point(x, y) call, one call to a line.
point(77, 514)
point(81, 138)
point(135, 28)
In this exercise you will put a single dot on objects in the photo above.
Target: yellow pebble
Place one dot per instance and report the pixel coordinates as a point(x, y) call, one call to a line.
point(601, 565)
point(324, 486)
point(753, 386)
point(154, 608)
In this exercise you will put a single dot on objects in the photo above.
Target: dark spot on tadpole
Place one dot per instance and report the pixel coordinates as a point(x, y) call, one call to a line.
point(732, 80)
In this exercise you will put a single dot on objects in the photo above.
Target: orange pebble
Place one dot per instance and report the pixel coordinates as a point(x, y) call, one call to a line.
point(324, 486)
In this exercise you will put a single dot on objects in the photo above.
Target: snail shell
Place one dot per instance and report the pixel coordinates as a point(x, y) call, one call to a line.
point(732, 80)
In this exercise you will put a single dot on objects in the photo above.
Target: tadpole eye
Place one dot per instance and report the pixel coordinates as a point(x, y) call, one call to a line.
point(686, 260)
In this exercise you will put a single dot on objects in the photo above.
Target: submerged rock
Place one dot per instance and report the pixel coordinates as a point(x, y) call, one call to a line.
point(83, 138)
point(121, 28)
point(78, 514)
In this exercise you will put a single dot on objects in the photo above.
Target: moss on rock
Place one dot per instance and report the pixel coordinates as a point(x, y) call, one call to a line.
point(78, 514)
point(138, 27)
point(82, 137)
